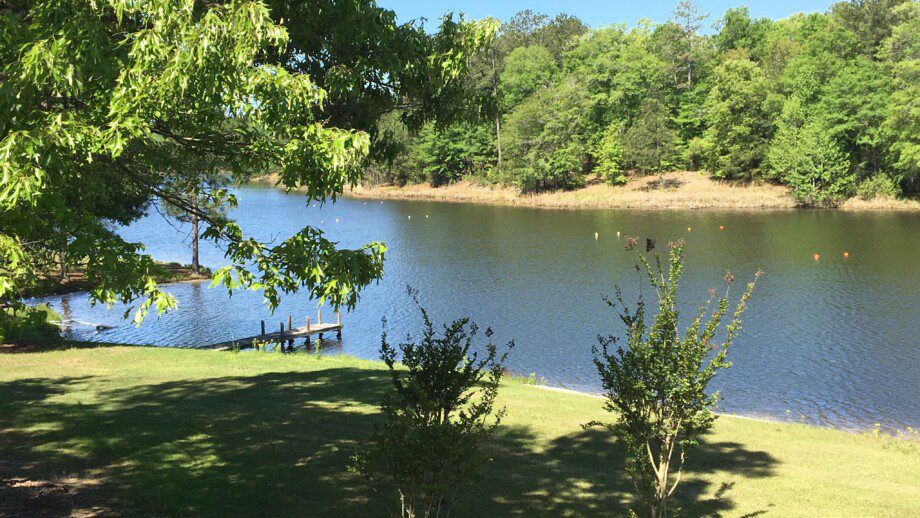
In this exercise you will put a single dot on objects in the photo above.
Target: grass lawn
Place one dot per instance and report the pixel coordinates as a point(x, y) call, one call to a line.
point(131, 430)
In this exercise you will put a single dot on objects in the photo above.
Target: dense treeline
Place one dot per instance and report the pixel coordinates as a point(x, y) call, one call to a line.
point(824, 103)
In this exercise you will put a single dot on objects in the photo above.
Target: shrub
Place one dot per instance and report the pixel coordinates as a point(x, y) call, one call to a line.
point(438, 414)
point(656, 385)
point(34, 323)
point(880, 186)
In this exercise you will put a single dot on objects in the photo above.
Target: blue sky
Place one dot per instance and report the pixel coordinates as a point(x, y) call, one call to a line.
point(596, 13)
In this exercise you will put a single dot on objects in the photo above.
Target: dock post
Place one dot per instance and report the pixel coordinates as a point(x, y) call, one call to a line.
point(263, 328)
point(319, 320)
point(338, 319)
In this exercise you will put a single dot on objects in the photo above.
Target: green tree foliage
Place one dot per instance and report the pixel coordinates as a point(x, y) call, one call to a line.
point(609, 155)
point(648, 144)
point(807, 158)
point(690, 45)
point(527, 28)
point(870, 21)
point(656, 383)
point(901, 55)
point(738, 31)
point(93, 93)
point(446, 155)
point(716, 100)
point(527, 69)
point(435, 419)
point(546, 141)
point(738, 124)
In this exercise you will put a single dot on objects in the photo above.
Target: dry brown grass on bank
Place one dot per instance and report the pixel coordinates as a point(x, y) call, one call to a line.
point(696, 191)
point(881, 203)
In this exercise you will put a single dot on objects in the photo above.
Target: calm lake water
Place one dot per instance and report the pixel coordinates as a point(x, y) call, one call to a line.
point(832, 342)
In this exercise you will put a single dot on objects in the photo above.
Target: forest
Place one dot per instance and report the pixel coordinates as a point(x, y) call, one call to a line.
point(824, 103)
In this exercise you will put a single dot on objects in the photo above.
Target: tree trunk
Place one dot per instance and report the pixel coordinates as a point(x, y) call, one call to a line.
point(196, 268)
point(498, 115)
point(498, 139)
point(63, 258)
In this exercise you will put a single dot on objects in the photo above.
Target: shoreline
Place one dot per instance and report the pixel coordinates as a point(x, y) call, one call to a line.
point(696, 191)
point(171, 273)
point(758, 418)
point(66, 344)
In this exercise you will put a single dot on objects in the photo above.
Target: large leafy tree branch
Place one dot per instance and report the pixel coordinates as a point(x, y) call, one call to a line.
point(109, 106)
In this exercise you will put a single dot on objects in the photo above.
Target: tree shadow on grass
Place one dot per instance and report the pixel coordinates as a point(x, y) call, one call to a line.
point(278, 444)
point(273, 444)
point(581, 474)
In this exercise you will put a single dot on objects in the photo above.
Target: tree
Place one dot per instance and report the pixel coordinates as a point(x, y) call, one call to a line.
point(610, 155)
point(738, 31)
point(738, 124)
point(648, 144)
point(448, 154)
point(561, 34)
point(807, 158)
point(546, 139)
point(204, 195)
point(527, 69)
point(901, 54)
point(369, 64)
point(657, 384)
point(435, 419)
point(92, 92)
point(870, 20)
point(689, 19)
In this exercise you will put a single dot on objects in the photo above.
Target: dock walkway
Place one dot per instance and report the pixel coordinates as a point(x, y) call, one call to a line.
point(283, 335)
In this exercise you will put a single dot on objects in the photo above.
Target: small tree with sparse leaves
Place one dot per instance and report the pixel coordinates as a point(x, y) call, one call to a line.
point(656, 383)
point(440, 411)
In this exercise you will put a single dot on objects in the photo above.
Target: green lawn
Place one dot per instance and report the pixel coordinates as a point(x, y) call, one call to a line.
point(174, 432)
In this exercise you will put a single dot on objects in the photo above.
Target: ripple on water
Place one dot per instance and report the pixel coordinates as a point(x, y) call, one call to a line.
point(834, 340)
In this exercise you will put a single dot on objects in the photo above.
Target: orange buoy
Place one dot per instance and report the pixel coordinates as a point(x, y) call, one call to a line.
point(721, 227)
point(817, 257)
point(846, 255)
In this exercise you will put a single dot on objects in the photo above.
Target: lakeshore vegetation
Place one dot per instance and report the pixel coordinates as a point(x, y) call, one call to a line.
point(825, 104)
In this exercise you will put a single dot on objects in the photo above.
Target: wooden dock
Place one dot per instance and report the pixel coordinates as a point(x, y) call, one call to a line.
point(283, 334)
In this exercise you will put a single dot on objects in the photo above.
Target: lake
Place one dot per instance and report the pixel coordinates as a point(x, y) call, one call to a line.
point(832, 342)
